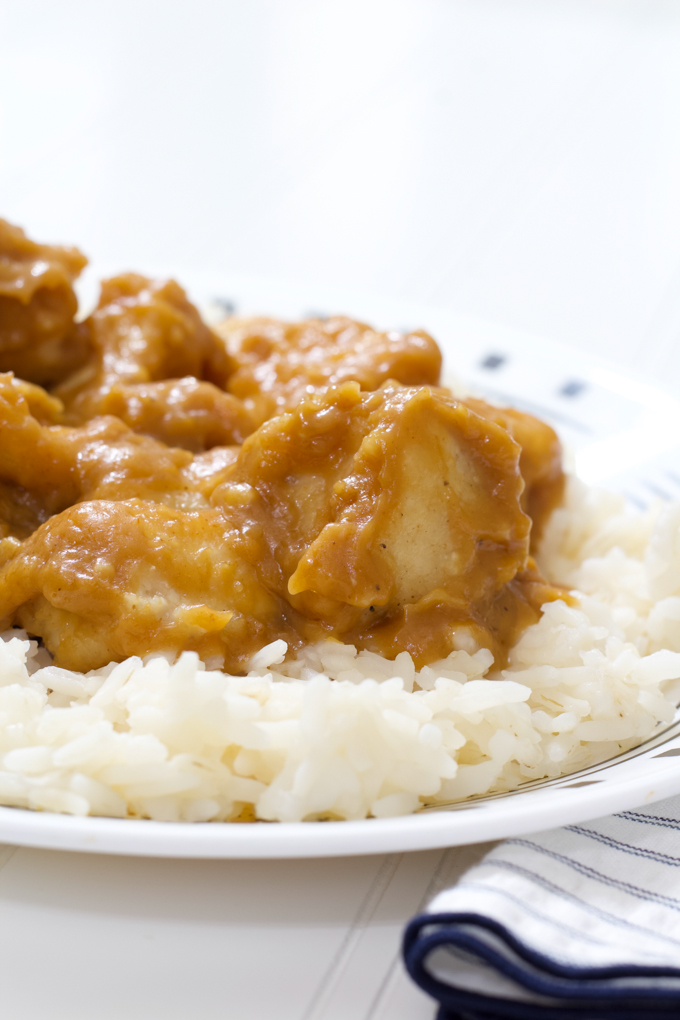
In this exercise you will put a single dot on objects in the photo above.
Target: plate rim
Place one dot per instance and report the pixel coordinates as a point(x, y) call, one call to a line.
point(491, 818)
point(471, 822)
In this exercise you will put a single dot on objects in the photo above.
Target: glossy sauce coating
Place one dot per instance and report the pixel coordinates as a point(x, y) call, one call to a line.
point(183, 488)
point(105, 580)
point(155, 365)
point(280, 364)
point(389, 519)
point(540, 461)
point(37, 308)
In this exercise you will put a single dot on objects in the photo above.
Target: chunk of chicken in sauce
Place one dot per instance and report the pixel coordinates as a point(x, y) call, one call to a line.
point(161, 370)
point(156, 366)
point(280, 364)
point(45, 468)
point(37, 308)
point(365, 505)
point(105, 580)
point(540, 462)
point(391, 519)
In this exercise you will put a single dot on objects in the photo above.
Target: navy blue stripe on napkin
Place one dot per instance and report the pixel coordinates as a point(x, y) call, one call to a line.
point(555, 990)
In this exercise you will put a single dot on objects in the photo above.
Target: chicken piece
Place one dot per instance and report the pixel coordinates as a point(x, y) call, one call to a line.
point(37, 307)
point(388, 518)
point(46, 468)
point(157, 367)
point(103, 580)
point(21, 511)
point(280, 364)
point(10, 544)
point(208, 470)
point(186, 412)
point(144, 330)
point(45, 408)
point(540, 462)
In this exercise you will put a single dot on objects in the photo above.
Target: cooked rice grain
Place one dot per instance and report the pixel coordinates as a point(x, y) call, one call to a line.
point(340, 734)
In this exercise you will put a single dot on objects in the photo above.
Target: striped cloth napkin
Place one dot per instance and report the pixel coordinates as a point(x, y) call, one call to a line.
point(580, 922)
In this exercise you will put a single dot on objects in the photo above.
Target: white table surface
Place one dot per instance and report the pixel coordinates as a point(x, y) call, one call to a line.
point(517, 160)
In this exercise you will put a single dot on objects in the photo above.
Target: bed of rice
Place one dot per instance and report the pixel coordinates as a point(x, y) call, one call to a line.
point(345, 735)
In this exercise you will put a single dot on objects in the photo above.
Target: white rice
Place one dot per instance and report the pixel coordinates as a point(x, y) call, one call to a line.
point(345, 735)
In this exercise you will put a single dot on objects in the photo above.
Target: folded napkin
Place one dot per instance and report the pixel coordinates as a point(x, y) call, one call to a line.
point(580, 922)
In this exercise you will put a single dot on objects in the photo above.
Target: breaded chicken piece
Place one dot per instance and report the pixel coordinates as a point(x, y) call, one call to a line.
point(280, 364)
point(390, 519)
point(208, 470)
point(187, 413)
point(42, 406)
point(105, 580)
point(366, 504)
point(37, 308)
point(157, 367)
point(46, 468)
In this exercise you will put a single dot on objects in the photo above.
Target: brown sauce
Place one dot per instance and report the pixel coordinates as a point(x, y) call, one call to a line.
point(165, 486)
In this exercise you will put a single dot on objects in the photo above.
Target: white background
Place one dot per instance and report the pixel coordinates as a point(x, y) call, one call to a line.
point(518, 161)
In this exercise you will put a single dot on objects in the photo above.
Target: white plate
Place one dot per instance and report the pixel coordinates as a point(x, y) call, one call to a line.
point(621, 433)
